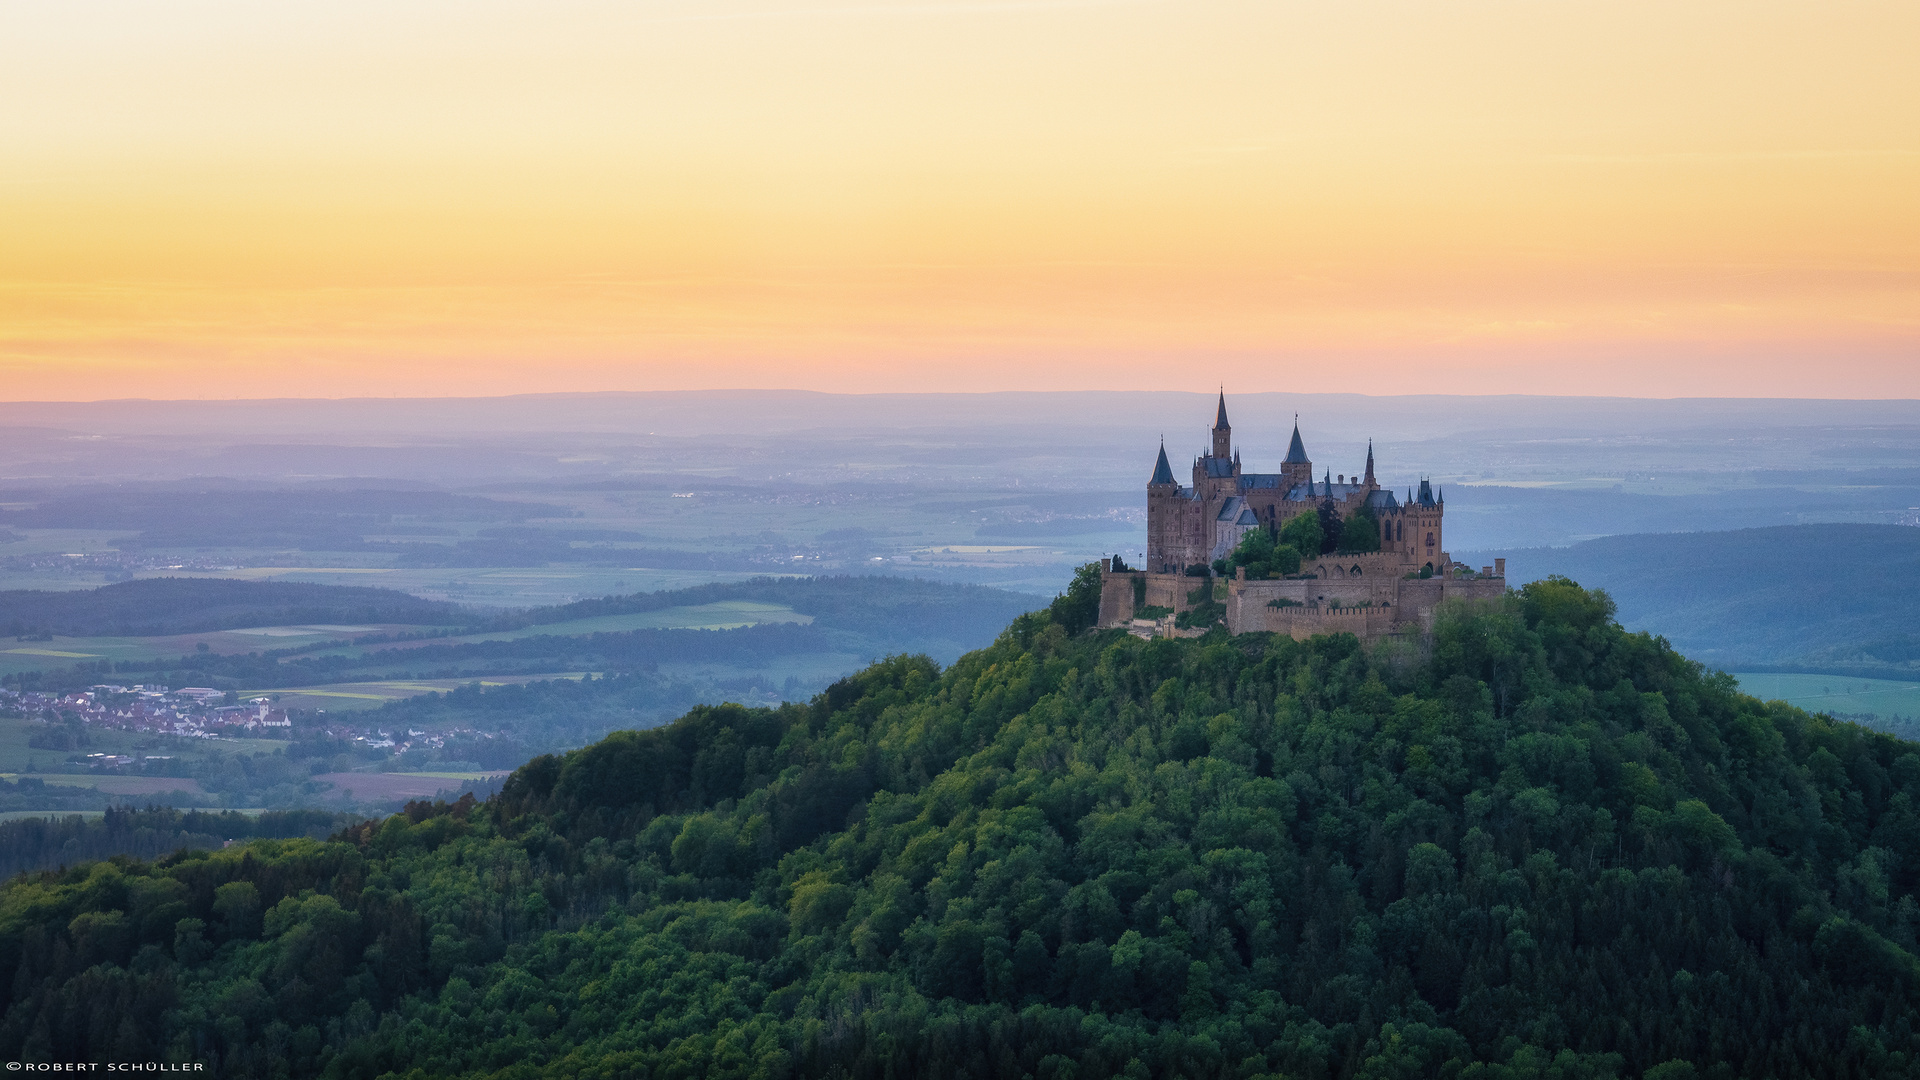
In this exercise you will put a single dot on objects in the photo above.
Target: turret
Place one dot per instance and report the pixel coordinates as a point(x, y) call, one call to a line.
point(1162, 472)
point(1222, 431)
point(1297, 468)
point(1369, 480)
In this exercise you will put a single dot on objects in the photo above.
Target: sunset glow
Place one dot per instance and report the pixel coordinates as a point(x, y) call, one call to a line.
point(239, 200)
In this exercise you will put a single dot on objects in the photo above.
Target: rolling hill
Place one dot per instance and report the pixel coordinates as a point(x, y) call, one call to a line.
point(1800, 597)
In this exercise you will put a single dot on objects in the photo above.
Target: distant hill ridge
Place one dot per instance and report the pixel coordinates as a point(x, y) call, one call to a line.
point(149, 607)
point(1836, 597)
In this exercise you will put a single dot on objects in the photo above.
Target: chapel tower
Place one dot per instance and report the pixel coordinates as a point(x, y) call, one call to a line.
point(1222, 431)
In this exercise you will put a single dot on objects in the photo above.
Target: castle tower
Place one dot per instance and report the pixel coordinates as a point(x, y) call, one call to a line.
point(1222, 431)
point(1166, 547)
point(1368, 482)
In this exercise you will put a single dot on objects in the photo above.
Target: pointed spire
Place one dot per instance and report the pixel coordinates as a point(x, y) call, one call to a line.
point(1297, 450)
point(1369, 480)
point(1221, 420)
point(1162, 472)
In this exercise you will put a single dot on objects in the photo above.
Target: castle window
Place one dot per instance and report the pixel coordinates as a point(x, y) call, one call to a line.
point(1356, 571)
point(1429, 539)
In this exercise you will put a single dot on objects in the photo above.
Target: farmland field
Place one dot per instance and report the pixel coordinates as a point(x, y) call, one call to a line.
point(61, 652)
point(18, 656)
point(340, 697)
point(114, 784)
point(1837, 693)
point(384, 786)
point(17, 757)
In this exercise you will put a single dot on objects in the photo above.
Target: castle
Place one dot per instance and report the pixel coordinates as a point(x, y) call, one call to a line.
point(1370, 590)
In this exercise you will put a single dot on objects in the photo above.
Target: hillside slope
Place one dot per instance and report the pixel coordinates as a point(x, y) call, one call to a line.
point(150, 607)
point(1553, 848)
point(1837, 597)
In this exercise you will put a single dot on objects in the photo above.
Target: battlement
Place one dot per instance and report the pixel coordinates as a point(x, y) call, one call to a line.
point(1369, 607)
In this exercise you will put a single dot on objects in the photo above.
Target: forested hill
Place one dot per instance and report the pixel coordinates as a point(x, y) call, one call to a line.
point(154, 606)
point(1550, 848)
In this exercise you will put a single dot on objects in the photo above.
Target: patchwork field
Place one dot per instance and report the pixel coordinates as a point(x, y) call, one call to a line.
point(115, 785)
point(18, 757)
point(61, 652)
point(340, 697)
point(492, 586)
point(18, 656)
point(384, 786)
point(1837, 694)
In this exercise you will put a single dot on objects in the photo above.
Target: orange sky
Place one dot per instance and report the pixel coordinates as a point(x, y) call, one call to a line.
point(223, 199)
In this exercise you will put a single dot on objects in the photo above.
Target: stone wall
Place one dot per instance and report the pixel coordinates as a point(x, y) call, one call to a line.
point(1376, 601)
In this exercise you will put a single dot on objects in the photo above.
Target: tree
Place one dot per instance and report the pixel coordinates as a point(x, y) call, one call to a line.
point(1304, 534)
point(1079, 607)
point(1264, 557)
point(1361, 532)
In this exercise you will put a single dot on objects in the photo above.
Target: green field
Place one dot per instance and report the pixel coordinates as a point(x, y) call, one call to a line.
point(114, 783)
point(725, 615)
point(18, 656)
point(17, 757)
point(1836, 693)
point(493, 586)
point(349, 696)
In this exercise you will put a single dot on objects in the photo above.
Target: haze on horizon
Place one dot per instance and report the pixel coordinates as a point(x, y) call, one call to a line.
point(222, 200)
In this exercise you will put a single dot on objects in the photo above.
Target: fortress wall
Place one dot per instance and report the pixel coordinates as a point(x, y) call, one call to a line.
point(1116, 597)
point(1301, 623)
point(1170, 590)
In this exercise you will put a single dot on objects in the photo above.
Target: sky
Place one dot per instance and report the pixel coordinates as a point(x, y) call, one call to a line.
point(234, 200)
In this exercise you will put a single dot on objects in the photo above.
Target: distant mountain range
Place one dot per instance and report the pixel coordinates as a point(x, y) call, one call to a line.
point(1838, 598)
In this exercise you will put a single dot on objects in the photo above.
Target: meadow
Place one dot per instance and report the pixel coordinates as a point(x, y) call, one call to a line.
point(1842, 694)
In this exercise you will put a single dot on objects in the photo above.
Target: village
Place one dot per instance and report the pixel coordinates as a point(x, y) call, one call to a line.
point(192, 713)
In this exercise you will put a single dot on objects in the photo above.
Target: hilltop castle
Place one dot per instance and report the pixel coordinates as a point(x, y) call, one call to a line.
point(1192, 529)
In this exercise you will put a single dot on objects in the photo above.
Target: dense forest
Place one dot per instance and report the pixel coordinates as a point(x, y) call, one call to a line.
point(1537, 846)
point(44, 843)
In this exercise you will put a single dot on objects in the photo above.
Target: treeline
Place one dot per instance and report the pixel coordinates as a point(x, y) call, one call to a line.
point(1544, 848)
point(33, 793)
point(521, 721)
point(46, 843)
point(150, 607)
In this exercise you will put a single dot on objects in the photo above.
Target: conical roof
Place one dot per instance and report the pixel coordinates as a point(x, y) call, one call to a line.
point(1297, 450)
point(1162, 472)
point(1221, 420)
